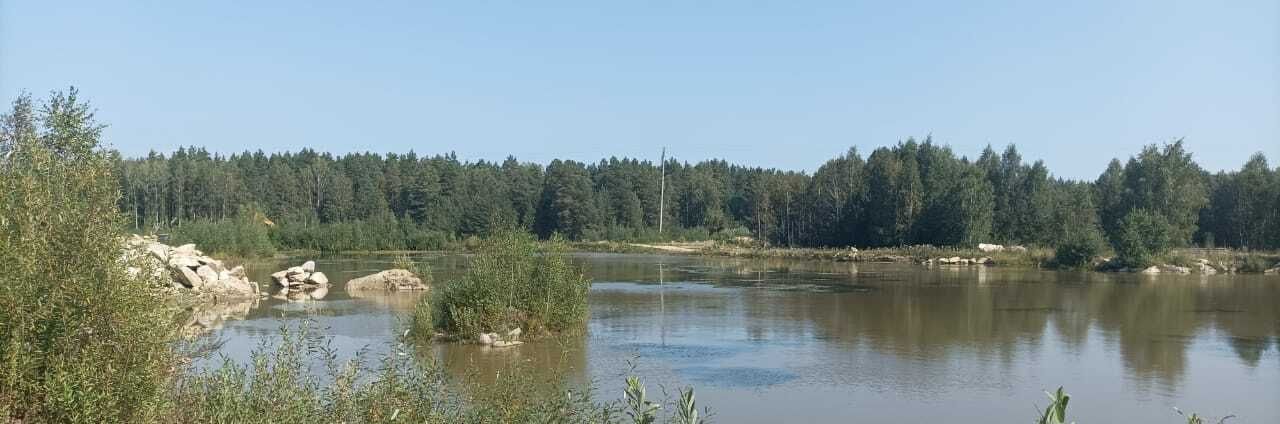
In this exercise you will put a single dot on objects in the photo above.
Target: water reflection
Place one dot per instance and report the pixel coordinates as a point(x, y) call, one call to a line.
point(771, 340)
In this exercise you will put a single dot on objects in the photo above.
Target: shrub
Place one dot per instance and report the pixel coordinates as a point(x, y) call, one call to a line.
point(80, 339)
point(514, 282)
point(1142, 237)
point(1078, 249)
point(240, 236)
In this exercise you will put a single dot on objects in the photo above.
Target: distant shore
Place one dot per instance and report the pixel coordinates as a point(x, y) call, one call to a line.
point(1179, 261)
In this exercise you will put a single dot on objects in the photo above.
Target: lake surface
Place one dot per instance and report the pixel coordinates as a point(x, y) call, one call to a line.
point(798, 341)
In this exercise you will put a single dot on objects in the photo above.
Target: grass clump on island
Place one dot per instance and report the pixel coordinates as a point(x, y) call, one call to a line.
point(514, 282)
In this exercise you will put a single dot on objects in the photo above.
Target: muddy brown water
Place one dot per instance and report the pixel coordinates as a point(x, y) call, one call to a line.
point(799, 341)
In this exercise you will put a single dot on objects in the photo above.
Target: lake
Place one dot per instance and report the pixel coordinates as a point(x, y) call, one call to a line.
point(800, 341)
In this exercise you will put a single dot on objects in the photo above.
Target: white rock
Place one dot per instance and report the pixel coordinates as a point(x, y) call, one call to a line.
point(309, 266)
point(1152, 270)
point(390, 280)
point(1019, 249)
point(487, 338)
point(207, 275)
point(184, 250)
point(183, 261)
point(189, 278)
point(318, 278)
point(514, 334)
point(158, 251)
point(990, 247)
point(318, 293)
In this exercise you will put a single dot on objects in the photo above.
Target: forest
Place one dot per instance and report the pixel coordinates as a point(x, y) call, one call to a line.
point(915, 192)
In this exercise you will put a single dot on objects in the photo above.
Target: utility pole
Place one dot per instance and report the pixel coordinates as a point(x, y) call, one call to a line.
point(662, 189)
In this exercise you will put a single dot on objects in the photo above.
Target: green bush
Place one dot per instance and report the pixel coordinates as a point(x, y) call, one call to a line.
point(514, 282)
point(1142, 237)
point(80, 340)
point(239, 236)
point(1079, 249)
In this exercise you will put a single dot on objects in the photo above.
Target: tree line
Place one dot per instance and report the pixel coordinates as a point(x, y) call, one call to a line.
point(915, 192)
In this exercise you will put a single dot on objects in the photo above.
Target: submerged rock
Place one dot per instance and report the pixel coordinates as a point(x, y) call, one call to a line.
point(389, 280)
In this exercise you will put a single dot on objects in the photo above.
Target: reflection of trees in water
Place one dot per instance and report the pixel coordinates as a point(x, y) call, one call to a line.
point(1153, 321)
point(996, 313)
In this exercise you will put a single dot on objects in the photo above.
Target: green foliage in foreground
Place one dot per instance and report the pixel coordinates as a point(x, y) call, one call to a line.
point(514, 282)
point(80, 339)
point(276, 387)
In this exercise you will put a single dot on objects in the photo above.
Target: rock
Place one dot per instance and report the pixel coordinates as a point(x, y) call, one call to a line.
point(1205, 267)
point(318, 278)
point(506, 343)
point(238, 271)
point(1174, 269)
point(207, 274)
point(185, 250)
point(183, 261)
point(189, 278)
point(294, 270)
point(1152, 270)
point(391, 280)
point(487, 338)
point(281, 278)
point(990, 247)
point(158, 251)
point(1272, 271)
point(309, 266)
point(1019, 249)
point(318, 293)
point(514, 334)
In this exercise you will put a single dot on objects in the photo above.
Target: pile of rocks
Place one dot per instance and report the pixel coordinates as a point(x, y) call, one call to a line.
point(303, 282)
point(512, 338)
point(988, 248)
point(956, 260)
point(301, 277)
point(186, 269)
point(389, 280)
point(1167, 269)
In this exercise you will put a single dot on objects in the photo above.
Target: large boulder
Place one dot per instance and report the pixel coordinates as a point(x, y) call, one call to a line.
point(389, 280)
point(990, 247)
point(309, 266)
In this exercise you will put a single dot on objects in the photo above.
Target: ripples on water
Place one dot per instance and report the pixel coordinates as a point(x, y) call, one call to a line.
point(789, 341)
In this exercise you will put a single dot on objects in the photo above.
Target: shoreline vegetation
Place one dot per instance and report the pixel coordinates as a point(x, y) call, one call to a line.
point(86, 341)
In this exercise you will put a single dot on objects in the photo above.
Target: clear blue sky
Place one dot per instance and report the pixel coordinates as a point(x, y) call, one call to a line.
point(780, 84)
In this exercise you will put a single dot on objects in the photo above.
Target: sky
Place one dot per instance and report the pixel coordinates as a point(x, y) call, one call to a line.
point(785, 84)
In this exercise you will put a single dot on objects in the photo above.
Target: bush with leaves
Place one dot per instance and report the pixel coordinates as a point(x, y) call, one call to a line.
point(1078, 249)
point(80, 339)
point(513, 282)
point(1141, 239)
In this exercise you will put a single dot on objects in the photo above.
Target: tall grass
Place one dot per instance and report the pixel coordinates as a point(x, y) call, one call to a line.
point(80, 340)
point(278, 386)
point(514, 282)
